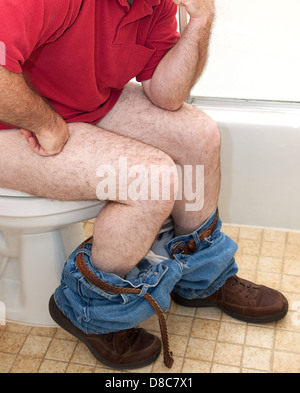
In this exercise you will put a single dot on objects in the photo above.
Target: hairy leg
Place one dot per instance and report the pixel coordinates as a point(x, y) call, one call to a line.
point(125, 229)
point(188, 136)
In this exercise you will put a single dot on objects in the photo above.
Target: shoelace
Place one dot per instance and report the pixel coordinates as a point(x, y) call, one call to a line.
point(246, 287)
point(94, 280)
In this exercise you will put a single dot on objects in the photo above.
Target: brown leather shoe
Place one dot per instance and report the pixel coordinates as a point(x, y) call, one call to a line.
point(243, 300)
point(126, 349)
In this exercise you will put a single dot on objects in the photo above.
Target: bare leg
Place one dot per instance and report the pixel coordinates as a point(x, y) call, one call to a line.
point(127, 228)
point(188, 136)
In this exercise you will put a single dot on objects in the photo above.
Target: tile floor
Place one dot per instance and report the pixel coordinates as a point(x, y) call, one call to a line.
point(203, 341)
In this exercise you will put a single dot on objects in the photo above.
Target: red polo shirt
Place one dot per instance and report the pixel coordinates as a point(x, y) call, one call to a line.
point(79, 54)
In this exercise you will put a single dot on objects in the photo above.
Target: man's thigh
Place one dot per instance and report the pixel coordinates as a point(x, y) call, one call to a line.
point(135, 116)
point(71, 175)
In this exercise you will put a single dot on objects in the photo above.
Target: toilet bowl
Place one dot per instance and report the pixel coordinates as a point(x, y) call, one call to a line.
point(36, 237)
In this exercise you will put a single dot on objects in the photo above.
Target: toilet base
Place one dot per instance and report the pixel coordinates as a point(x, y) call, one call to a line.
point(30, 271)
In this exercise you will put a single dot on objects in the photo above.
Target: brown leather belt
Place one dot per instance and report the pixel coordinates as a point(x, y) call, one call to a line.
point(191, 245)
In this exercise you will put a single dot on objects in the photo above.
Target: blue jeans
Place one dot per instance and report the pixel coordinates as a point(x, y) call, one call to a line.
point(196, 275)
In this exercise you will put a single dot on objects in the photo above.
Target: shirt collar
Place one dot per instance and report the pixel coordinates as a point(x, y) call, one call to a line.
point(138, 10)
point(151, 3)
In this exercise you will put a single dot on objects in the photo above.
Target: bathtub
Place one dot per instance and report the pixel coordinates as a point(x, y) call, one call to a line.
point(260, 161)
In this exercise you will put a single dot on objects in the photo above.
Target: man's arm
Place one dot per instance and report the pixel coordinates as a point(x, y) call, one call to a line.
point(44, 129)
point(179, 70)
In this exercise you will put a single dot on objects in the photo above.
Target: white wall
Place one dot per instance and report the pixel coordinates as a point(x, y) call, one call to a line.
point(255, 51)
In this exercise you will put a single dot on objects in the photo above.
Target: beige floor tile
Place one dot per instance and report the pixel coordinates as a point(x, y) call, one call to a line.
point(82, 355)
point(43, 331)
point(247, 262)
point(64, 335)
point(232, 333)
point(74, 368)
point(287, 341)
point(272, 249)
point(228, 354)
point(270, 264)
point(293, 237)
point(251, 233)
point(257, 358)
point(26, 365)
point(291, 266)
point(223, 369)
point(260, 337)
point(181, 310)
point(195, 366)
point(53, 367)
point(6, 362)
point(178, 344)
point(292, 251)
point(292, 320)
point(61, 350)
point(271, 235)
point(13, 327)
point(248, 246)
point(179, 324)
point(35, 346)
point(12, 342)
point(231, 231)
point(204, 328)
point(285, 362)
point(209, 313)
point(272, 280)
point(291, 284)
point(200, 349)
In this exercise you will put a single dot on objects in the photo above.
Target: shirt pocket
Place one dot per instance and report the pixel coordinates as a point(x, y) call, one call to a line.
point(138, 59)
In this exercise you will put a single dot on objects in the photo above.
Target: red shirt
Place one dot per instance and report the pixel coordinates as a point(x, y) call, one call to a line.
point(79, 54)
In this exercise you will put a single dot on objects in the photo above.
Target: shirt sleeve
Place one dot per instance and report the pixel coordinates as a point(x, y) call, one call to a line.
point(26, 25)
point(163, 36)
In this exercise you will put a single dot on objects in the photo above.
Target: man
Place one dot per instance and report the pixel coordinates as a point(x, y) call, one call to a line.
point(68, 115)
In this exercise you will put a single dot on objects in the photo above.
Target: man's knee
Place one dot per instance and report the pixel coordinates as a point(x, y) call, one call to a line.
point(163, 180)
point(202, 132)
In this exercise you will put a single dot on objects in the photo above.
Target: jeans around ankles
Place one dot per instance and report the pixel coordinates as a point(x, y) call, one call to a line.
point(199, 274)
point(209, 267)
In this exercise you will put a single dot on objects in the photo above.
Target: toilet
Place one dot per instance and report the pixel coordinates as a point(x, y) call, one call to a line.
point(36, 237)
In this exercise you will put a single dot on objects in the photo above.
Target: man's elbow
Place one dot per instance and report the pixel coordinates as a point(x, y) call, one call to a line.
point(172, 106)
point(167, 104)
point(163, 101)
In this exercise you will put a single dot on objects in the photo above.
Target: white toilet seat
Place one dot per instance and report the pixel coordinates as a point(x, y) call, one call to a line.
point(13, 205)
point(12, 193)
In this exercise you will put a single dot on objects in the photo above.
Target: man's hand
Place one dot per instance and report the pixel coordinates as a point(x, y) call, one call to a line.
point(20, 106)
point(48, 143)
point(198, 8)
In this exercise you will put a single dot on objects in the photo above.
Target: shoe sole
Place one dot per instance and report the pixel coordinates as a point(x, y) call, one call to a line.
point(201, 303)
point(67, 325)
